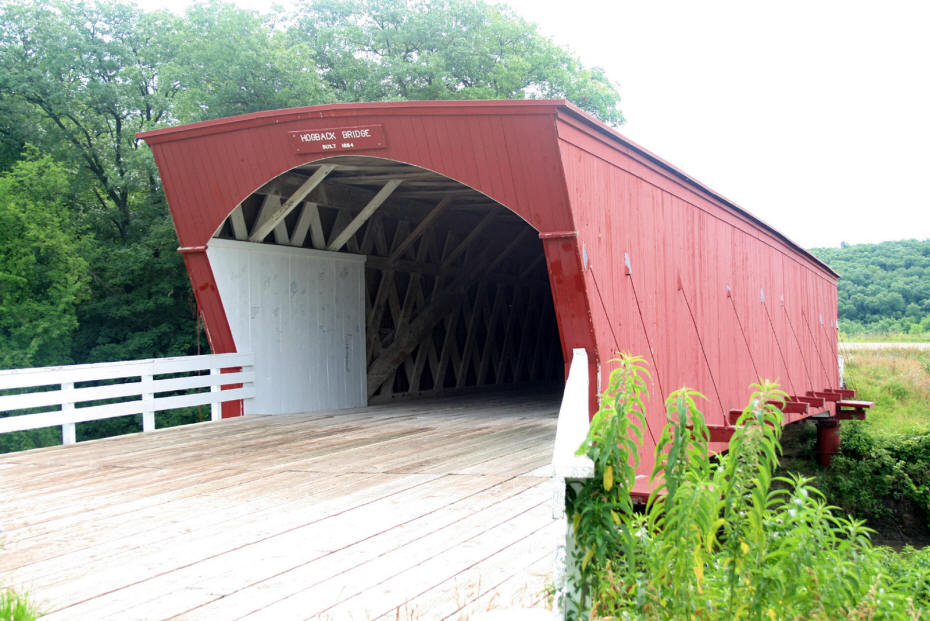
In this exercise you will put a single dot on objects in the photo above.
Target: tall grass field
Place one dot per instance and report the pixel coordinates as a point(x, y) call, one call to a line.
point(898, 382)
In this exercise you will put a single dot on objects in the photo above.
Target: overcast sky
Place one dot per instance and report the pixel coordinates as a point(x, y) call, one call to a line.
point(812, 115)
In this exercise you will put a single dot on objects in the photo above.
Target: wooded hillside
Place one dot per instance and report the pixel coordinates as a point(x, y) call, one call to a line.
point(884, 289)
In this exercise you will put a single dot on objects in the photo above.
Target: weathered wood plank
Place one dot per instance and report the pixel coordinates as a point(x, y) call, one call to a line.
point(223, 519)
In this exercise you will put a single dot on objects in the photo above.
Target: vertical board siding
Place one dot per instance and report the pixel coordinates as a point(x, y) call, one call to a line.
point(301, 313)
point(682, 244)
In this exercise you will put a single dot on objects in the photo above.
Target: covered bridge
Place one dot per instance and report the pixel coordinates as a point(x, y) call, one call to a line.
point(371, 252)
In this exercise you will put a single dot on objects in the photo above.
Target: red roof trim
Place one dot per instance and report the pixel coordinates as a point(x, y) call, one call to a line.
point(391, 108)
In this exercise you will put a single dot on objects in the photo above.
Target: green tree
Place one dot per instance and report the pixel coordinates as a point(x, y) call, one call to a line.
point(229, 61)
point(43, 277)
point(370, 50)
point(87, 76)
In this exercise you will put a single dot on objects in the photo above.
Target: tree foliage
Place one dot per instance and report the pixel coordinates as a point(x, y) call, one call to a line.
point(885, 288)
point(371, 50)
point(43, 277)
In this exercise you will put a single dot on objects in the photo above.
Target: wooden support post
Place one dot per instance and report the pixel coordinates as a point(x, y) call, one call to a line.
point(277, 215)
point(148, 399)
point(506, 356)
point(468, 348)
point(68, 431)
point(363, 215)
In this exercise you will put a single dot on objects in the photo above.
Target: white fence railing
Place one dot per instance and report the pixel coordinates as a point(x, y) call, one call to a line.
point(71, 394)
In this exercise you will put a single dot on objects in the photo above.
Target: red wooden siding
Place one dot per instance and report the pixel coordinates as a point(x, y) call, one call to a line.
point(690, 302)
point(686, 247)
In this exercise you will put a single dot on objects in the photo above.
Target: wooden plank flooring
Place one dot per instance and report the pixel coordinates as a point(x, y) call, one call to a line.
point(435, 509)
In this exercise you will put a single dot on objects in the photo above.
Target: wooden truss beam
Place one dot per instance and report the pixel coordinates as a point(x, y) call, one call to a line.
point(422, 226)
point(237, 220)
point(363, 215)
point(277, 216)
point(443, 302)
point(485, 221)
point(270, 205)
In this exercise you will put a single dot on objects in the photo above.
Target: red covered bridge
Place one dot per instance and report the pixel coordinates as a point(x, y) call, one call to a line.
point(372, 252)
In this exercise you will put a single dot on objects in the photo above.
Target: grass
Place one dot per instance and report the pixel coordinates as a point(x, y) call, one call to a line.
point(885, 337)
point(898, 382)
point(15, 607)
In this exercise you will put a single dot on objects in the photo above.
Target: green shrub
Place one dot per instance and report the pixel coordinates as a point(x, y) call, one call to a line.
point(718, 538)
point(872, 471)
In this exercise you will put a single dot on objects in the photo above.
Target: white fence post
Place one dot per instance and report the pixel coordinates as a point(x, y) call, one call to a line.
point(68, 431)
point(216, 407)
point(569, 469)
point(148, 399)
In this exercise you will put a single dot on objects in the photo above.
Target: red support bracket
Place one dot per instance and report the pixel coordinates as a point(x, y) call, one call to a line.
point(721, 433)
point(814, 402)
point(847, 410)
point(833, 394)
point(790, 407)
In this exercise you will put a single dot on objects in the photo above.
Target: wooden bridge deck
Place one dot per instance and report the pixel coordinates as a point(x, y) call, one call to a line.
point(423, 509)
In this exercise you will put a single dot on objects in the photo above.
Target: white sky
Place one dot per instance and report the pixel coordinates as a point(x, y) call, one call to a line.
point(813, 115)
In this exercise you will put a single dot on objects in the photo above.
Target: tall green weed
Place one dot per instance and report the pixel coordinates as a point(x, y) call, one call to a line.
point(721, 536)
point(15, 607)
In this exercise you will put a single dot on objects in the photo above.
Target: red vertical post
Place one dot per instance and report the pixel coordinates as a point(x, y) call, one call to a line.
point(570, 298)
point(215, 321)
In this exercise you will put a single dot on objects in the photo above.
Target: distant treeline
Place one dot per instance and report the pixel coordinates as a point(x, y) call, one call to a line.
point(884, 289)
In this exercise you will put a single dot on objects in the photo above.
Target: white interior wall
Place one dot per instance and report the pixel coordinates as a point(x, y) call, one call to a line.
point(302, 313)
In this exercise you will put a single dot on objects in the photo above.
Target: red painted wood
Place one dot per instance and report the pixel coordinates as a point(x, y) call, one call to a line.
point(683, 239)
point(814, 402)
point(828, 440)
point(698, 264)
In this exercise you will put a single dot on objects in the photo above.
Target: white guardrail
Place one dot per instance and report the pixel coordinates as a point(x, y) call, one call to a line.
point(569, 469)
point(136, 392)
point(571, 431)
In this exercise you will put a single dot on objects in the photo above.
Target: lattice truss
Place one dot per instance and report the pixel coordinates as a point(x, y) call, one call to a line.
point(457, 293)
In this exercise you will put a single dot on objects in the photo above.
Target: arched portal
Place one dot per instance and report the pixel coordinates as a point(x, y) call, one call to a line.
point(360, 280)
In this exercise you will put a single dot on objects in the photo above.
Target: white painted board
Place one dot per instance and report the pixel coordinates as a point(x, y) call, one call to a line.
point(302, 313)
